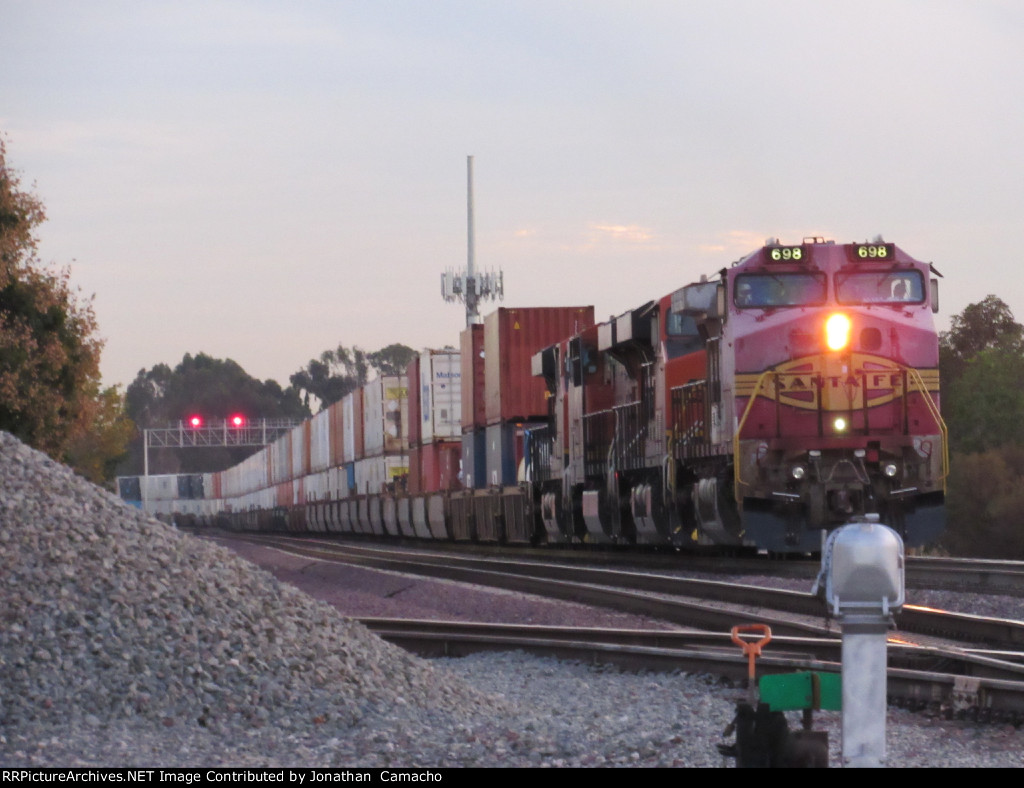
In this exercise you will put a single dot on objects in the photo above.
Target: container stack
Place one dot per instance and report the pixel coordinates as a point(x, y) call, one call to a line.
point(514, 399)
point(385, 435)
point(474, 417)
point(435, 413)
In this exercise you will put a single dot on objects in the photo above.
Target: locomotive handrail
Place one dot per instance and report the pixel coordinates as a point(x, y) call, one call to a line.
point(736, 479)
point(934, 410)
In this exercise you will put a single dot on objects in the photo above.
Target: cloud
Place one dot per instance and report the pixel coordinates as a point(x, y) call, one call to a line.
point(629, 233)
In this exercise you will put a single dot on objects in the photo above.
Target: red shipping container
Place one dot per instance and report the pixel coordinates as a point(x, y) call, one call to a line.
point(436, 466)
point(414, 484)
point(511, 338)
point(337, 419)
point(471, 351)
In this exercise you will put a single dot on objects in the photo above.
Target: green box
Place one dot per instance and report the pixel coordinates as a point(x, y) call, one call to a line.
point(791, 691)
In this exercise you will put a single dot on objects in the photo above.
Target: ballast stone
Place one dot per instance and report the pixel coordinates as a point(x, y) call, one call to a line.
point(109, 615)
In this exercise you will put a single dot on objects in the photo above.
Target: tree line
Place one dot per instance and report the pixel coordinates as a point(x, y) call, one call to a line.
point(51, 397)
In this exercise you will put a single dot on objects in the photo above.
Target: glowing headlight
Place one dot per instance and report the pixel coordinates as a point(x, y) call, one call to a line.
point(889, 469)
point(797, 472)
point(837, 331)
point(840, 424)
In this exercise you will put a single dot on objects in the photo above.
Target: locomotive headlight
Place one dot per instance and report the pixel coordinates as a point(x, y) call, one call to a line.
point(837, 331)
point(890, 469)
point(840, 424)
point(797, 472)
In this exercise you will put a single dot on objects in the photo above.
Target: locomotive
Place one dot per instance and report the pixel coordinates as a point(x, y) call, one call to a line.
point(757, 408)
point(764, 407)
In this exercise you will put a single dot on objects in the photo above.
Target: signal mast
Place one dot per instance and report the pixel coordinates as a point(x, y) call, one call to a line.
point(469, 286)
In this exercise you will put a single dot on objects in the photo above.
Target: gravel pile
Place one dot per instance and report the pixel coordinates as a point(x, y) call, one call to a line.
point(126, 643)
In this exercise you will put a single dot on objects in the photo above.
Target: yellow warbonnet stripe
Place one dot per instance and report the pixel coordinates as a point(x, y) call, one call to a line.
point(795, 382)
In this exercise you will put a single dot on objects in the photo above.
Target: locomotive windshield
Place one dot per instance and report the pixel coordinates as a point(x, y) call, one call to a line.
point(880, 287)
point(762, 291)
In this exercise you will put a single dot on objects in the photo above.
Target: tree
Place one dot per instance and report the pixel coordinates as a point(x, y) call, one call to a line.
point(95, 454)
point(342, 370)
point(213, 388)
point(986, 504)
point(981, 362)
point(984, 406)
point(982, 326)
point(49, 352)
point(392, 360)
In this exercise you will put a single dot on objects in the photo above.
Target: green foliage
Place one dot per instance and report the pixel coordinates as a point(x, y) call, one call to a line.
point(981, 361)
point(391, 360)
point(984, 406)
point(988, 325)
point(95, 454)
point(213, 388)
point(986, 504)
point(340, 371)
point(49, 352)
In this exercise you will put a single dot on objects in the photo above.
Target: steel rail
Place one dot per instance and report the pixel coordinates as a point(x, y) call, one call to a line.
point(953, 695)
point(604, 587)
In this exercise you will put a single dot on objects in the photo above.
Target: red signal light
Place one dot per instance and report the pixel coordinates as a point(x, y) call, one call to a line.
point(195, 422)
point(237, 420)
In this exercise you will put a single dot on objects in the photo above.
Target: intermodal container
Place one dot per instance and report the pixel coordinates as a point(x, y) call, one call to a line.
point(337, 419)
point(439, 403)
point(281, 459)
point(511, 338)
point(474, 459)
point(434, 467)
point(471, 362)
point(320, 441)
point(374, 474)
point(412, 373)
point(385, 416)
point(352, 414)
point(504, 453)
point(300, 449)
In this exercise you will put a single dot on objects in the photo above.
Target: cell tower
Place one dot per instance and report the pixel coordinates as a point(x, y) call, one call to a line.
point(469, 286)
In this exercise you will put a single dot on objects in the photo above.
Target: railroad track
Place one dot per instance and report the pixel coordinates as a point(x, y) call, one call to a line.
point(995, 697)
point(953, 678)
point(683, 601)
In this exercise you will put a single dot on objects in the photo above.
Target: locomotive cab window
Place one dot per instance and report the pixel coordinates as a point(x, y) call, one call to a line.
point(763, 291)
point(682, 335)
point(880, 287)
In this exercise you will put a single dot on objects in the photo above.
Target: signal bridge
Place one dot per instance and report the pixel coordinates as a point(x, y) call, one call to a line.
point(226, 432)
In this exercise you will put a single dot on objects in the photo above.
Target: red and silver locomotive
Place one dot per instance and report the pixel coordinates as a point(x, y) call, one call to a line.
point(761, 408)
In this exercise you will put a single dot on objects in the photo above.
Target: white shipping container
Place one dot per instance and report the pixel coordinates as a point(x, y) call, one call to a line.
point(348, 418)
point(320, 442)
point(317, 486)
point(248, 476)
point(385, 415)
point(374, 473)
point(163, 487)
point(440, 395)
point(281, 459)
point(299, 450)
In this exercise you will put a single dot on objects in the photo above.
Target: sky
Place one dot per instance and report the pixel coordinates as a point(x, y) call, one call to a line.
point(262, 181)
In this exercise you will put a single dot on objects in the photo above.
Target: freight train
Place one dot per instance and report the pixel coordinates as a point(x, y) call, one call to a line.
point(755, 409)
